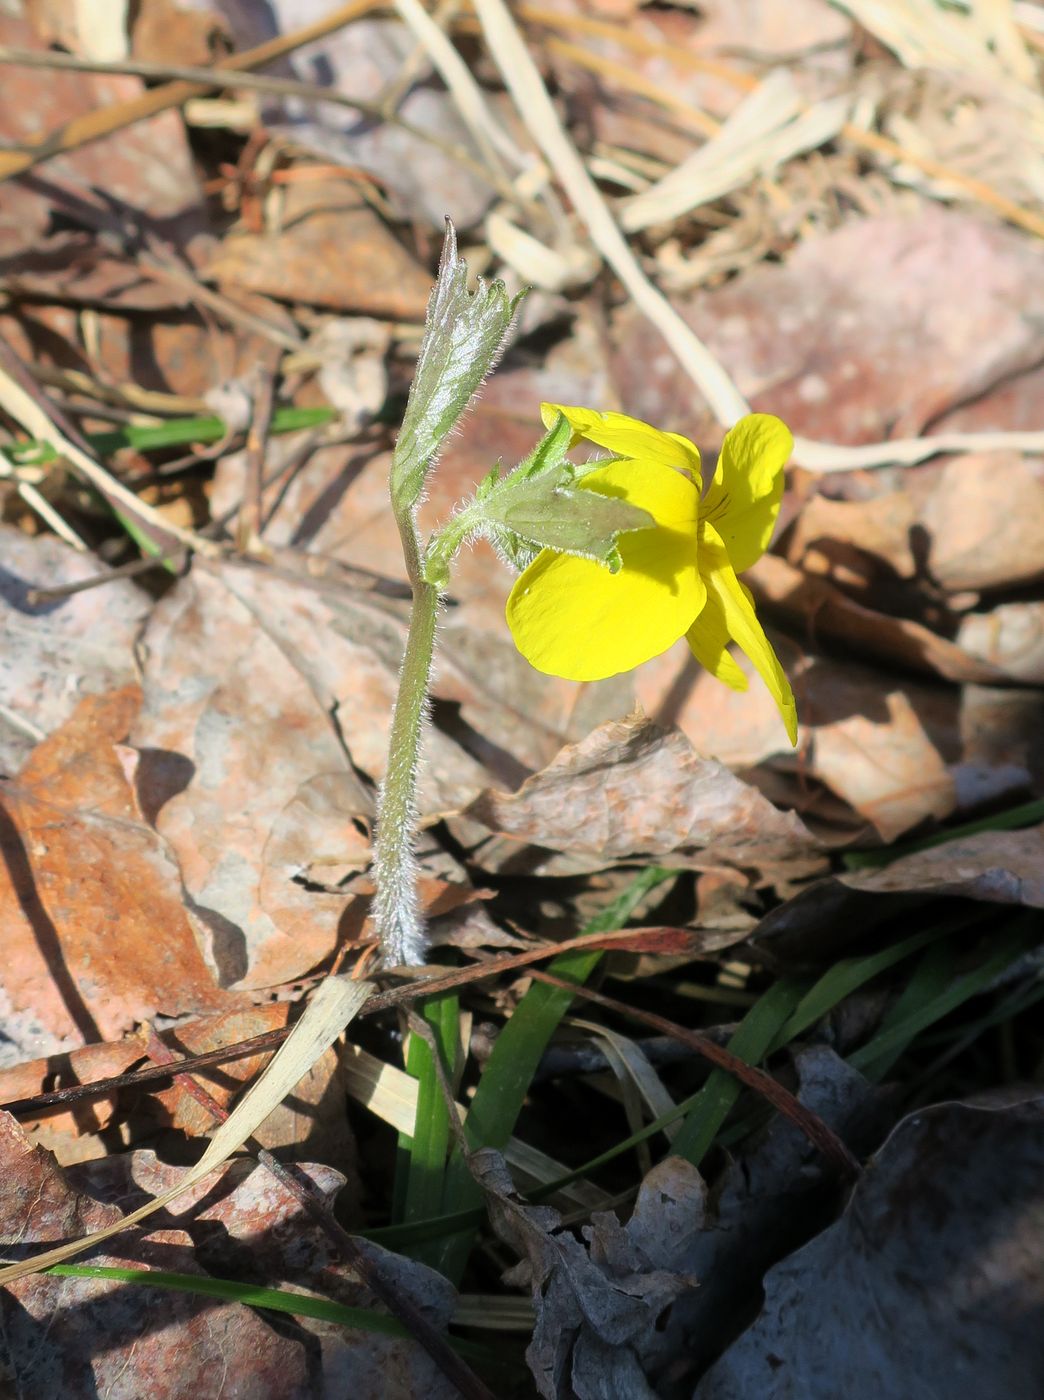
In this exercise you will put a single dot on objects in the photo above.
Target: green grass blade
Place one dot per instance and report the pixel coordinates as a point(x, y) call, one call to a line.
point(422, 1161)
point(505, 1082)
point(228, 1290)
point(754, 1037)
point(178, 432)
point(933, 997)
point(273, 1300)
point(848, 975)
point(1027, 814)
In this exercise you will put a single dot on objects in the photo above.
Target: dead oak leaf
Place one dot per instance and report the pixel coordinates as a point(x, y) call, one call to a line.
point(632, 789)
point(95, 934)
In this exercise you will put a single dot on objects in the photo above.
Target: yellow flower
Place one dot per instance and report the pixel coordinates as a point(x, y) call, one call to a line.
point(571, 617)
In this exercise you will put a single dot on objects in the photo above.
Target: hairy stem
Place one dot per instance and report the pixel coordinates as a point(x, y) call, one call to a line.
point(400, 926)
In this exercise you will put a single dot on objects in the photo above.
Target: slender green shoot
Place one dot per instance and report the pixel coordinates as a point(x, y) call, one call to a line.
point(505, 1082)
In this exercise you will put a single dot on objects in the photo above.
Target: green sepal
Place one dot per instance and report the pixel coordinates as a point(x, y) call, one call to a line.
point(549, 453)
point(489, 482)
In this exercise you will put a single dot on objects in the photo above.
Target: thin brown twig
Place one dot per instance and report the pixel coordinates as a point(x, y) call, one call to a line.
point(210, 78)
point(427, 983)
point(820, 1134)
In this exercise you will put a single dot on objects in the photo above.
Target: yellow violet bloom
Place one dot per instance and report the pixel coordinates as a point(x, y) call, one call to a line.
point(571, 617)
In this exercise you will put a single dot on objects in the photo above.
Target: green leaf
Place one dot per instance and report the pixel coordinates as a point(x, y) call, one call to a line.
point(549, 453)
point(464, 336)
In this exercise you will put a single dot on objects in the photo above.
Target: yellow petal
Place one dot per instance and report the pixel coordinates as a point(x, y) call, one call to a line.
point(743, 499)
point(573, 618)
point(627, 437)
point(725, 591)
point(708, 638)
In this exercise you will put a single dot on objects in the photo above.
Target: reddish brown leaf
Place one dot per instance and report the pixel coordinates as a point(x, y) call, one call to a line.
point(90, 903)
point(328, 249)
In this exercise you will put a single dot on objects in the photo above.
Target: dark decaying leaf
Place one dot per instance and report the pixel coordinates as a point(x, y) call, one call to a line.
point(993, 867)
point(639, 1309)
point(929, 1284)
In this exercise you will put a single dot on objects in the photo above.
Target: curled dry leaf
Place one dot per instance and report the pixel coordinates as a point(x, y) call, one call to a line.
point(611, 1300)
point(821, 610)
point(975, 523)
point(1011, 637)
point(52, 654)
point(994, 867)
point(882, 744)
point(886, 767)
point(95, 933)
point(930, 1283)
point(633, 790)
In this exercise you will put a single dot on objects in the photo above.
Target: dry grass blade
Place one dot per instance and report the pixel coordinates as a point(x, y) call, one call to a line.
point(391, 1094)
point(27, 407)
point(332, 1007)
point(490, 137)
point(523, 81)
point(769, 127)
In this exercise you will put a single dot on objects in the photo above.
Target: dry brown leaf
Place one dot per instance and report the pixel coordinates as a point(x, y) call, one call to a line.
point(328, 248)
point(146, 168)
point(72, 1134)
point(883, 745)
point(80, 1336)
point(869, 332)
point(1011, 637)
point(264, 700)
point(95, 934)
point(890, 771)
point(632, 789)
point(985, 521)
point(821, 610)
point(91, 1337)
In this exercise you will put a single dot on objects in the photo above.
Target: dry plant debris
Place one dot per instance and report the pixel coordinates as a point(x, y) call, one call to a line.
point(219, 226)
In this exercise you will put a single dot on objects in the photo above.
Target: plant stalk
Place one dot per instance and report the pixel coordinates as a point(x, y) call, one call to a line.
point(400, 925)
